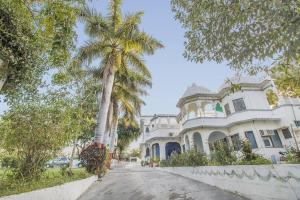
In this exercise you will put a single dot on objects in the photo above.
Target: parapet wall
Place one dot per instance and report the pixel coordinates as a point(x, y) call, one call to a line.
point(262, 182)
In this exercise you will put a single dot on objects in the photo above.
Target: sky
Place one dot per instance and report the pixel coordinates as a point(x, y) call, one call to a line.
point(171, 72)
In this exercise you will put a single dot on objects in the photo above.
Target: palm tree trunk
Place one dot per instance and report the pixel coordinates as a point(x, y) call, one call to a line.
point(107, 87)
point(108, 124)
point(113, 137)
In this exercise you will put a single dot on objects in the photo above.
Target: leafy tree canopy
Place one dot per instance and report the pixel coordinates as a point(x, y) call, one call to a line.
point(35, 130)
point(245, 33)
point(128, 131)
point(34, 36)
point(287, 78)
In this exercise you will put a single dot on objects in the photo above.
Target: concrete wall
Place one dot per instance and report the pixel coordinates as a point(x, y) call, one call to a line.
point(253, 99)
point(264, 182)
point(68, 191)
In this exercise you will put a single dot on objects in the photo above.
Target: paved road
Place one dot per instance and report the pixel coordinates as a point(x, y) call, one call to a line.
point(151, 184)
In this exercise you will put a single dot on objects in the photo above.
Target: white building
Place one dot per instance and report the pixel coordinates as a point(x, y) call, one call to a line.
point(206, 117)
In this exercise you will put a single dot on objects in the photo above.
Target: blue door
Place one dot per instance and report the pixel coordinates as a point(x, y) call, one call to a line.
point(172, 147)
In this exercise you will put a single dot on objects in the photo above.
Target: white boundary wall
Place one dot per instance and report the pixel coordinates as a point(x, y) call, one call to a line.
point(67, 191)
point(263, 182)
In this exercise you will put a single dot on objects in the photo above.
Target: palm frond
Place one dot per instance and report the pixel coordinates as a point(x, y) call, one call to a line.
point(95, 24)
point(115, 13)
point(138, 63)
point(129, 25)
point(90, 51)
point(147, 43)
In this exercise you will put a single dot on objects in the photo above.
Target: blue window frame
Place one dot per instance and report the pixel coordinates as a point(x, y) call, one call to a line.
point(250, 136)
point(276, 140)
point(155, 151)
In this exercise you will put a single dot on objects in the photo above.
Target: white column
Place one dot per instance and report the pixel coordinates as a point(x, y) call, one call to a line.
point(162, 147)
point(205, 142)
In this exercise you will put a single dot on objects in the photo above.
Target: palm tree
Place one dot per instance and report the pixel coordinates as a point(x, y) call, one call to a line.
point(114, 40)
point(127, 90)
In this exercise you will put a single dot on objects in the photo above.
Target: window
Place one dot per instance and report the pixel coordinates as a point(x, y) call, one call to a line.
point(239, 104)
point(155, 151)
point(227, 109)
point(236, 142)
point(147, 152)
point(267, 141)
point(147, 129)
point(297, 123)
point(286, 133)
point(251, 138)
point(276, 140)
point(271, 138)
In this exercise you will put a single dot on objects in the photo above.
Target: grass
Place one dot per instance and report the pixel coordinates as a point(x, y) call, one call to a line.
point(52, 177)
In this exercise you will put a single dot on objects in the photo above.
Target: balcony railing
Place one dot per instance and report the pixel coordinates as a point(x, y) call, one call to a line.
point(163, 130)
point(163, 126)
point(231, 119)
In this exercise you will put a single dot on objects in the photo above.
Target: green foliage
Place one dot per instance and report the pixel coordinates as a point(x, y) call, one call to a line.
point(162, 163)
point(292, 156)
point(259, 160)
point(34, 36)
point(50, 178)
point(135, 153)
point(272, 98)
point(128, 131)
point(154, 160)
point(287, 77)
point(35, 131)
point(220, 155)
point(8, 161)
point(233, 87)
point(223, 154)
point(190, 158)
point(241, 32)
point(120, 45)
point(250, 158)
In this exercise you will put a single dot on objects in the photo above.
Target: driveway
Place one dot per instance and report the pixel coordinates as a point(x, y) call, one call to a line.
point(147, 184)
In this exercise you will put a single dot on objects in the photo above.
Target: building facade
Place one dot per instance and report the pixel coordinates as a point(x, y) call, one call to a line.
point(241, 109)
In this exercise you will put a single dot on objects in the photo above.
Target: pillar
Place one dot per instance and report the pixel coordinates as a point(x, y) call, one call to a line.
point(162, 146)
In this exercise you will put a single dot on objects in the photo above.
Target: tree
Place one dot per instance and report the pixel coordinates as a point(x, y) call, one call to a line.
point(128, 131)
point(114, 40)
point(286, 76)
point(83, 90)
point(244, 33)
point(34, 36)
point(35, 130)
point(126, 99)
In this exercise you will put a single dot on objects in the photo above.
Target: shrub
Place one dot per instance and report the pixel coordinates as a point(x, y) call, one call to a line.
point(250, 158)
point(196, 158)
point(34, 132)
point(190, 158)
point(259, 160)
point(9, 161)
point(94, 159)
point(154, 160)
point(222, 154)
point(292, 156)
point(164, 163)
